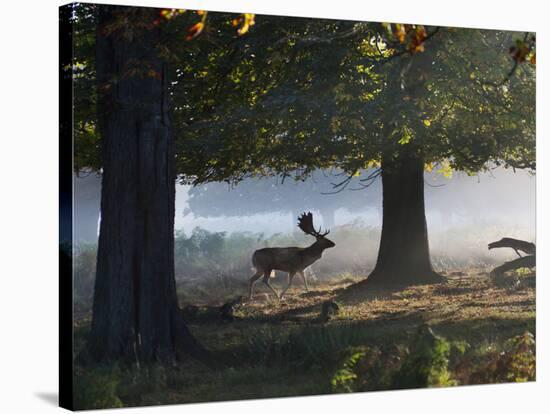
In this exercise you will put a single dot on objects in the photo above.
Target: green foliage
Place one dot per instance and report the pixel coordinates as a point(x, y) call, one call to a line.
point(344, 377)
point(515, 280)
point(295, 94)
point(96, 388)
point(87, 143)
point(433, 361)
point(426, 365)
point(289, 360)
point(522, 359)
point(331, 95)
point(367, 368)
point(523, 271)
point(428, 361)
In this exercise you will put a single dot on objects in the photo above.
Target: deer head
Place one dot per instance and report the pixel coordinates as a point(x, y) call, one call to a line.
point(305, 223)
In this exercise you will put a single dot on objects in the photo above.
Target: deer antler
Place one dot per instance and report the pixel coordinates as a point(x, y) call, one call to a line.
point(305, 223)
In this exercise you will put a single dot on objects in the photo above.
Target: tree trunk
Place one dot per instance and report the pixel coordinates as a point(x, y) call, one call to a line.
point(404, 255)
point(135, 310)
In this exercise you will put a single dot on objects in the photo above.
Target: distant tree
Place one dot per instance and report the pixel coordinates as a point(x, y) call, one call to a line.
point(264, 195)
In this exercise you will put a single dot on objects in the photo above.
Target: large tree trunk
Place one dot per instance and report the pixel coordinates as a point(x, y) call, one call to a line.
point(404, 255)
point(135, 310)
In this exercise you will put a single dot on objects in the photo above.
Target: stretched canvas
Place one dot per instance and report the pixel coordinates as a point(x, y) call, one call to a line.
point(257, 206)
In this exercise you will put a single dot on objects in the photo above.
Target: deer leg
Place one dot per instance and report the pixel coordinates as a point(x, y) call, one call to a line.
point(290, 277)
point(267, 275)
point(251, 282)
point(303, 274)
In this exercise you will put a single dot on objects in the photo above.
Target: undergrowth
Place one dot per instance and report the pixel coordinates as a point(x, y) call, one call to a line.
point(311, 360)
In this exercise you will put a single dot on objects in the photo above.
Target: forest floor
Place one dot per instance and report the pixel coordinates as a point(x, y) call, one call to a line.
point(277, 348)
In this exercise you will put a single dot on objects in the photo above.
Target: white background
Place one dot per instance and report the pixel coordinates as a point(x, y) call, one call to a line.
point(28, 206)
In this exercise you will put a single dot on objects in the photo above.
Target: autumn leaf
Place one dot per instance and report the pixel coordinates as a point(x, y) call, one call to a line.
point(520, 51)
point(400, 32)
point(194, 30)
point(417, 41)
point(171, 13)
point(246, 20)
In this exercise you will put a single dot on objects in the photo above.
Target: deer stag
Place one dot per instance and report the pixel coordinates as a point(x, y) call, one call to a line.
point(289, 259)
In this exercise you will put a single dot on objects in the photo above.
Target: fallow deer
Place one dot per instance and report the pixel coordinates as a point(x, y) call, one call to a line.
point(289, 259)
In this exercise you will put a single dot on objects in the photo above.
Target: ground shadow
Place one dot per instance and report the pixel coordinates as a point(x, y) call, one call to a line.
point(51, 398)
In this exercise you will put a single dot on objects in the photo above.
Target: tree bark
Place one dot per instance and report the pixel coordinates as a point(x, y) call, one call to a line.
point(404, 255)
point(135, 311)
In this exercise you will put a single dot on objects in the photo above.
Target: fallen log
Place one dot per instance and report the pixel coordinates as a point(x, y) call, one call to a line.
point(528, 261)
point(525, 261)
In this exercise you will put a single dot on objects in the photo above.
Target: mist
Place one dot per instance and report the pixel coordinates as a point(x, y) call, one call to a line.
point(464, 213)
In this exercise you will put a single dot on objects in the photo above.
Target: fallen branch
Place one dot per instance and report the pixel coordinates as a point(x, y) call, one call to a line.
point(525, 261)
point(528, 261)
point(517, 245)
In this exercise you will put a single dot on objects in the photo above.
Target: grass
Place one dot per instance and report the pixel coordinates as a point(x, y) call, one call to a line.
point(379, 340)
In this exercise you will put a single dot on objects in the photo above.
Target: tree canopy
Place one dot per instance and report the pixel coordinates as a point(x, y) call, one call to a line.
point(298, 94)
point(301, 94)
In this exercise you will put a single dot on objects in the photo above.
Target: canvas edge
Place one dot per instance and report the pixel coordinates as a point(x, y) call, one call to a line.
point(66, 366)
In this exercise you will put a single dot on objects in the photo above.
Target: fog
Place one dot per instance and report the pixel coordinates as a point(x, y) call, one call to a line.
point(463, 212)
point(499, 198)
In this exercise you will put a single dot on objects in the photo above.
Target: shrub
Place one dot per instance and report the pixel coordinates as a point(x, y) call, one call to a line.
point(516, 362)
point(368, 368)
point(344, 378)
point(426, 365)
